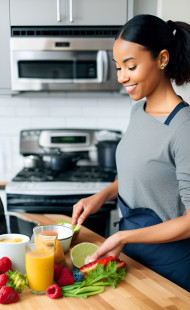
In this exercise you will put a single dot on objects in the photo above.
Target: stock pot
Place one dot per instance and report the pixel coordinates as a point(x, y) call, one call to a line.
point(106, 154)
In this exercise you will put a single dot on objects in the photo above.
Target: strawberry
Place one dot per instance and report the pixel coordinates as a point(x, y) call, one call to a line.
point(54, 291)
point(8, 295)
point(57, 271)
point(120, 263)
point(65, 278)
point(92, 266)
point(3, 279)
point(104, 261)
point(5, 264)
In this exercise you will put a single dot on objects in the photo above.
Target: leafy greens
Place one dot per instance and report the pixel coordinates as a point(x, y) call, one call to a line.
point(96, 281)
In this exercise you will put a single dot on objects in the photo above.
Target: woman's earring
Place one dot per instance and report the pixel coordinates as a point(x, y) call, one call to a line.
point(163, 66)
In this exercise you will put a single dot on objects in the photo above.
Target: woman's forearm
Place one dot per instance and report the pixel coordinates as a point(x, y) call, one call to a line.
point(172, 230)
point(110, 192)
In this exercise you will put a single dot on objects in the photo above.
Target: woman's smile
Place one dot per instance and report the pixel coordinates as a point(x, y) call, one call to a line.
point(130, 88)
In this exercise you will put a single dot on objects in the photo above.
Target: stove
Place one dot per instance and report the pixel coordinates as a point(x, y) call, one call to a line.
point(79, 180)
point(82, 173)
point(63, 169)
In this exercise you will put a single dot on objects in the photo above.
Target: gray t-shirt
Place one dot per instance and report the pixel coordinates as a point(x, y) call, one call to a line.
point(153, 163)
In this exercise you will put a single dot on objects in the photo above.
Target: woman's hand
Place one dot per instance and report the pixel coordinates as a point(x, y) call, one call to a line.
point(111, 247)
point(168, 231)
point(84, 207)
point(92, 204)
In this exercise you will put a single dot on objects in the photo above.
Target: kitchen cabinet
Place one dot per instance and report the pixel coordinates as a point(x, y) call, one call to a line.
point(67, 12)
point(145, 7)
point(5, 78)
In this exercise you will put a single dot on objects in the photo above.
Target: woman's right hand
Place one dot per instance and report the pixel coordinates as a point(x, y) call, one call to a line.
point(92, 204)
point(84, 207)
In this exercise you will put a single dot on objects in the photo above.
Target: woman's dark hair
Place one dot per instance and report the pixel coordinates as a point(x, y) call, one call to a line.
point(155, 35)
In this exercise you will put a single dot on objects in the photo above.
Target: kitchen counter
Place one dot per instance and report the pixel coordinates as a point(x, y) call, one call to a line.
point(2, 185)
point(142, 288)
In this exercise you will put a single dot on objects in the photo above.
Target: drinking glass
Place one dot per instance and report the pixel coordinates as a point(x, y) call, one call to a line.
point(40, 263)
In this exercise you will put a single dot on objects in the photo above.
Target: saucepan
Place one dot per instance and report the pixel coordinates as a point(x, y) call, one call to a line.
point(32, 161)
point(62, 162)
point(58, 162)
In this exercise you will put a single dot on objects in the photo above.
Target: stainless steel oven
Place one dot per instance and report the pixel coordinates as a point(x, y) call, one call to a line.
point(61, 167)
point(62, 63)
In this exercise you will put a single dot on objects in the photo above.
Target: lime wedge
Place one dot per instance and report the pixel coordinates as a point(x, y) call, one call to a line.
point(81, 251)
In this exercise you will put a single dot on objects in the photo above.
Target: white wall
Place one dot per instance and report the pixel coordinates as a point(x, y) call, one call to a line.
point(55, 110)
point(176, 10)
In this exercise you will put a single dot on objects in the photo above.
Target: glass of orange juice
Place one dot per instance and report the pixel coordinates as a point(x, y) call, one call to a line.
point(40, 263)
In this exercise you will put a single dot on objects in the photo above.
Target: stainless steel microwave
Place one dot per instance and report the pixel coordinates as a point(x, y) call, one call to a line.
point(40, 63)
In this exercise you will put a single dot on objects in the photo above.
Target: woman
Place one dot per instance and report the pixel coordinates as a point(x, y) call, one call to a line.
point(153, 157)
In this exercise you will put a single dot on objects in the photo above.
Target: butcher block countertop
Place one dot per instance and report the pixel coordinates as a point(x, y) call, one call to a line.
point(142, 288)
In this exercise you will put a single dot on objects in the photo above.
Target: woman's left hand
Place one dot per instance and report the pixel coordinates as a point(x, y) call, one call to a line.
point(111, 247)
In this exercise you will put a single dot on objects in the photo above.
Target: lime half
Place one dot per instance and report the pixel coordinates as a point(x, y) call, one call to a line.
point(81, 251)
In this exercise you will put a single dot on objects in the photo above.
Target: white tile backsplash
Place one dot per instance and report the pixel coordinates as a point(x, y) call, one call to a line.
point(55, 110)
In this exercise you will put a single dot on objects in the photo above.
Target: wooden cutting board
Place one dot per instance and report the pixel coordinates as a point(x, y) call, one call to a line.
point(142, 288)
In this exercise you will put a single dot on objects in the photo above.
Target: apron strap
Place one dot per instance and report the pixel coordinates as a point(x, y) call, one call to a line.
point(180, 106)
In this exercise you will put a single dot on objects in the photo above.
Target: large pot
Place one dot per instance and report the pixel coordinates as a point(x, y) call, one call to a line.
point(106, 154)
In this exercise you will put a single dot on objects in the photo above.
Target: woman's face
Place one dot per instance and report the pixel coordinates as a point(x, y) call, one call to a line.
point(136, 69)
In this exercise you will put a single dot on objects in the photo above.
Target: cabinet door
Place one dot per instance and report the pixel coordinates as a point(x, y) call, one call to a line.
point(35, 12)
point(98, 12)
point(71, 12)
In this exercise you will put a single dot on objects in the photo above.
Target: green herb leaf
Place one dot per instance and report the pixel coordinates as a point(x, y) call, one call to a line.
point(95, 281)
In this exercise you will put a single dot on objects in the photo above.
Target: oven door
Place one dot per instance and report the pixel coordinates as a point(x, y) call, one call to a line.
point(62, 204)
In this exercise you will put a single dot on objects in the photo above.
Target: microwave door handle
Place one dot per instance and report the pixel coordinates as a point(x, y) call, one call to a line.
point(105, 66)
point(102, 59)
point(71, 11)
point(58, 11)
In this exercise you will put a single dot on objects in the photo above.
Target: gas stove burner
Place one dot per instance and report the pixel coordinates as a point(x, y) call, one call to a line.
point(77, 174)
point(35, 175)
point(86, 174)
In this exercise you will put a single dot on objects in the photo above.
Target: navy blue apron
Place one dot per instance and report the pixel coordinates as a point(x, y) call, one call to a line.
point(171, 260)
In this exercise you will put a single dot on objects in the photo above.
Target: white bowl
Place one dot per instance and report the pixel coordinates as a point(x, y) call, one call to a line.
point(75, 228)
point(65, 234)
point(14, 251)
